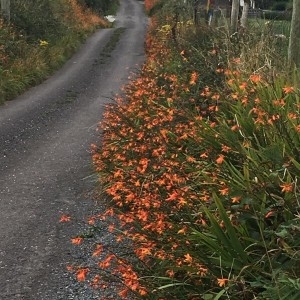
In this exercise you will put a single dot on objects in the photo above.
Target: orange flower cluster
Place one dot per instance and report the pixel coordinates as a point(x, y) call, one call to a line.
point(147, 163)
point(163, 159)
point(149, 4)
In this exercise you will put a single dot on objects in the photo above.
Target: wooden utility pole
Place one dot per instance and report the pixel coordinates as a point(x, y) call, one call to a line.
point(294, 45)
point(234, 15)
point(244, 17)
point(5, 9)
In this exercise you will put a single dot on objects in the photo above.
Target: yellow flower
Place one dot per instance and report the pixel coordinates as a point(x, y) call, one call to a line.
point(43, 43)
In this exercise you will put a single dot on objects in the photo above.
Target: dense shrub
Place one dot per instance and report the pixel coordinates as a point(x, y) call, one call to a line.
point(37, 18)
point(103, 6)
point(201, 162)
point(277, 15)
point(281, 6)
point(41, 35)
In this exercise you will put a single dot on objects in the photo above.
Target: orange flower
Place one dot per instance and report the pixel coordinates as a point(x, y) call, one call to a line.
point(236, 199)
point(111, 228)
point(98, 251)
point(234, 128)
point(235, 96)
point(188, 258)
point(143, 164)
point(215, 97)
point(65, 218)
point(288, 89)
point(81, 274)
point(172, 196)
point(255, 78)
point(279, 102)
point(91, 221)
point(224, 191)
point(120, 238)
point(287, 187)
point(170, 273)
point(220, 159)
point(143, 291)
point(243, 85)
point(194, 78)
point(204, 155)
point(222, 281)
point(123, 294)
point(292, 116)
point(77, 240)
point(143, 252)
point(182, 230)
point(230, 81)
point(191, 159)
point(225, 148)
point(70, 268)
point(202, 270)
point(106, 262)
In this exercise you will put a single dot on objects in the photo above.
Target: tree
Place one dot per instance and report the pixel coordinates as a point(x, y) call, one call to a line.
point(294, 43)
point(234, 15)
point(244, 17)
point(5, 9)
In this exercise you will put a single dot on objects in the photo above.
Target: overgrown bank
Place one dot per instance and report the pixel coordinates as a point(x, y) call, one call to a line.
point(201, 162)
point(42, 34)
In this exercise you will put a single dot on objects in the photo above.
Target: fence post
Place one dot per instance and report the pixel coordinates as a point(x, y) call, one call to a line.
point(5, 9)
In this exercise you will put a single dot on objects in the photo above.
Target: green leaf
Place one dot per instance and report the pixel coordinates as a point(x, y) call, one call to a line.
point(232, 237)
point(171, 285)
point(218, 296)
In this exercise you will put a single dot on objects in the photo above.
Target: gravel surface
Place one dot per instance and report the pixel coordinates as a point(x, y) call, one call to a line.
point(45, 162)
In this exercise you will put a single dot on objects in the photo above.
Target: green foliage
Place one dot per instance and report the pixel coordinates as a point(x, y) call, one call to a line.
point(156, 7)
point(277, 15)
point(280, 6)
point(37, 18)
point(41, 36)
point(105, 7)
point(102, 7)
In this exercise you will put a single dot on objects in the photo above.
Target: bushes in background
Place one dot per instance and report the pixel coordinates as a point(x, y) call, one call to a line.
point(41, 36)
point(106, 7)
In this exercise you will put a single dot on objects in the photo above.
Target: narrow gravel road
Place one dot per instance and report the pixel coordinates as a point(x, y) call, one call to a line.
point(45, 164)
